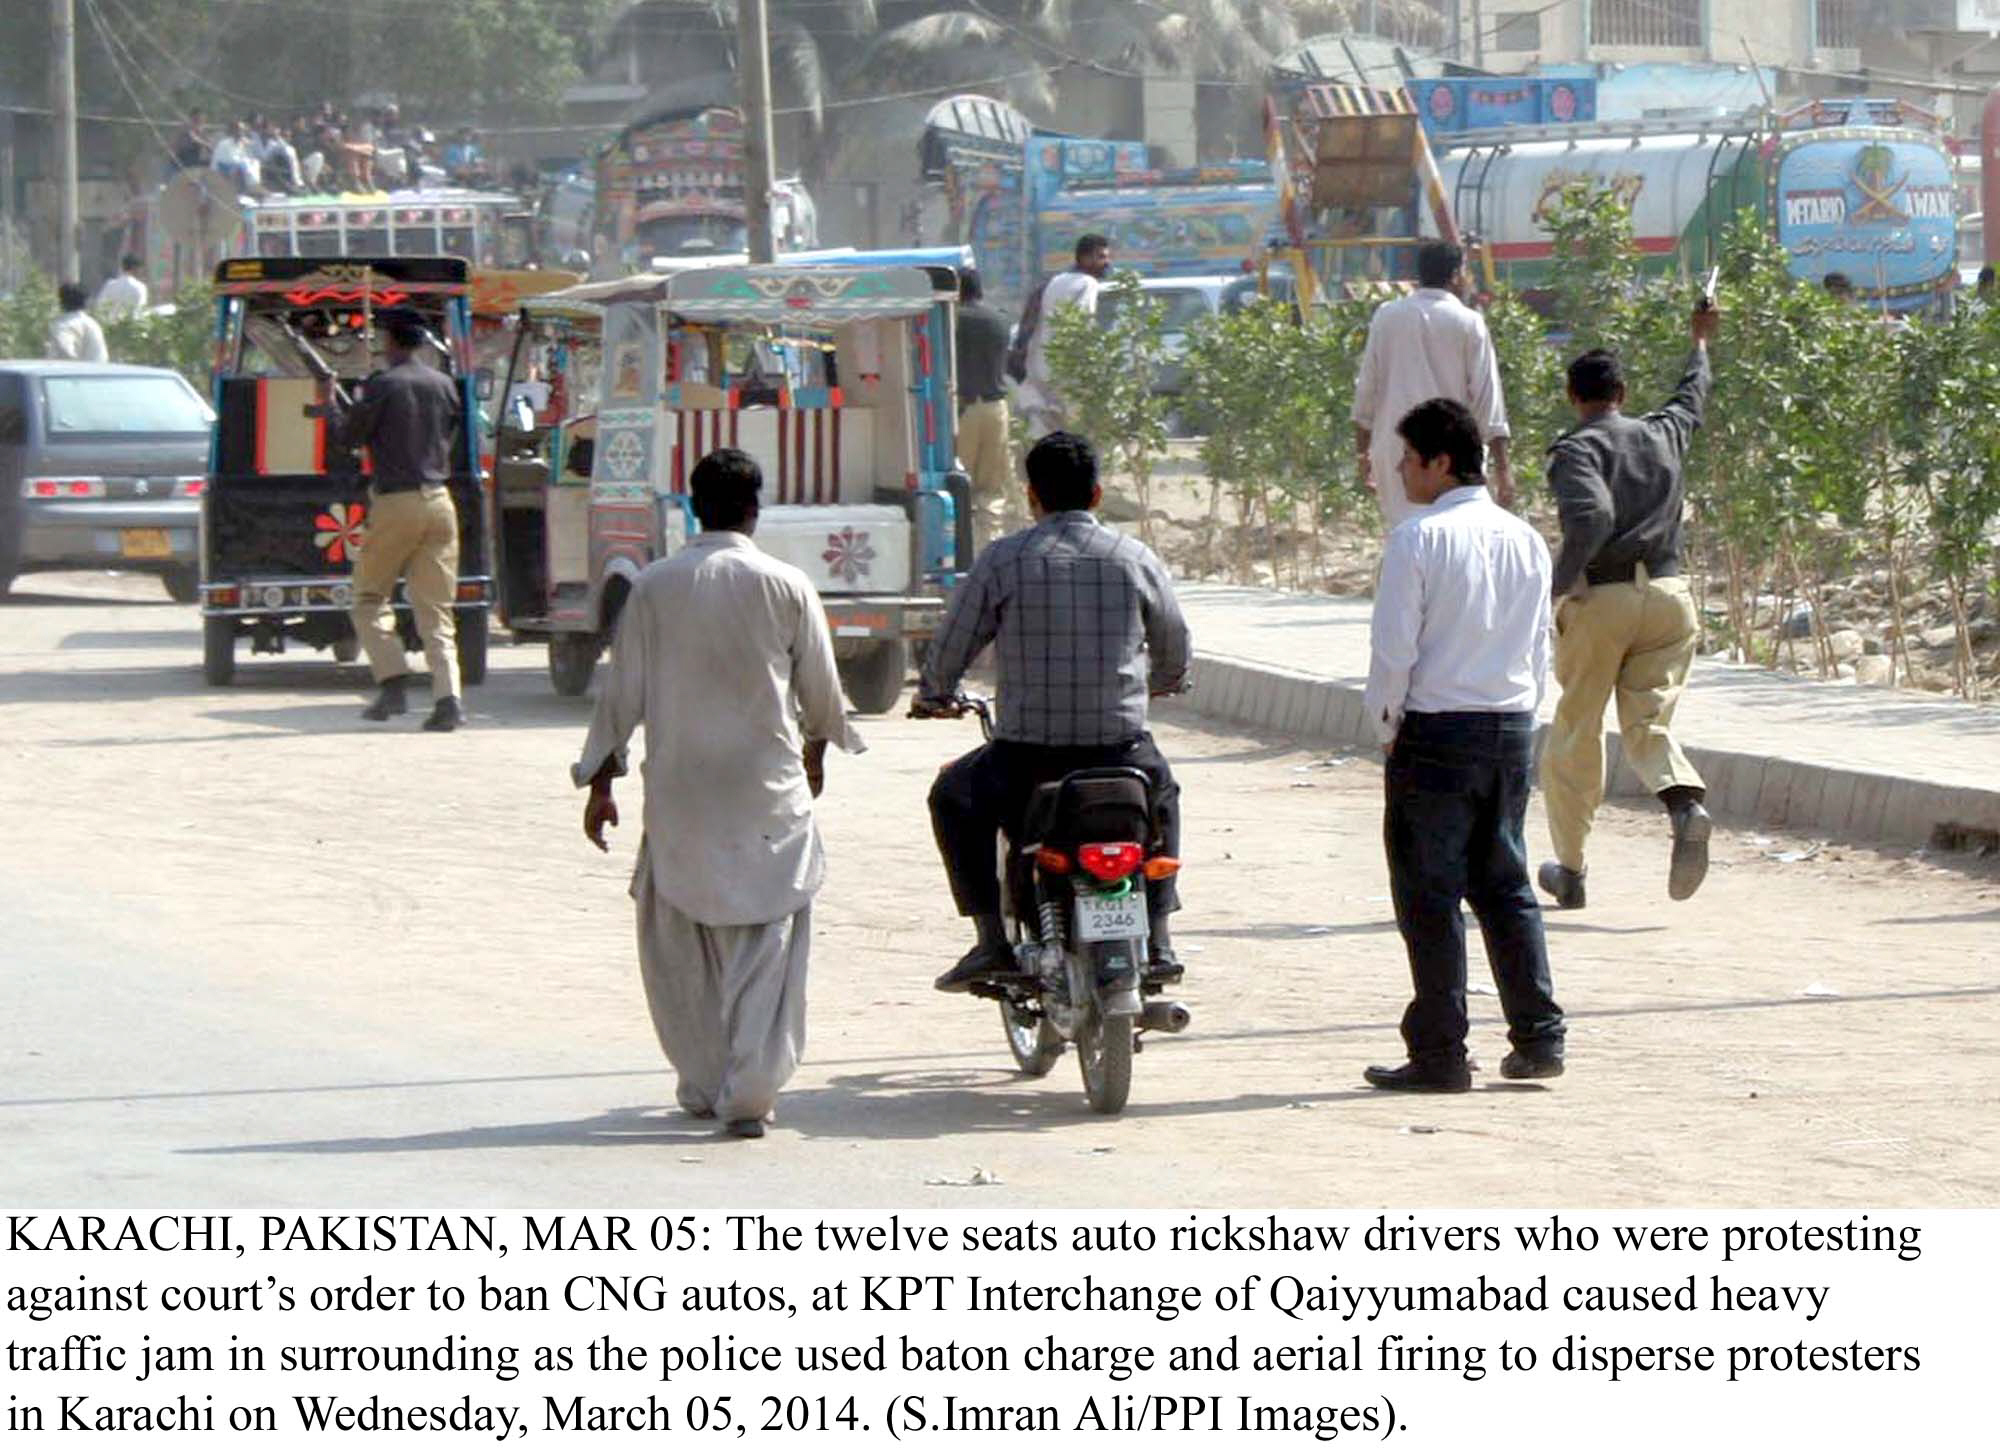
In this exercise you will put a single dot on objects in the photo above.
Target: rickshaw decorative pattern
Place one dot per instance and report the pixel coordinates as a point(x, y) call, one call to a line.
point(340, 531)
point(849, 556)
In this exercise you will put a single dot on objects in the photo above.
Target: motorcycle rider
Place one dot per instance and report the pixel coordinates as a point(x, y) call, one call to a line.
point(1085, 626)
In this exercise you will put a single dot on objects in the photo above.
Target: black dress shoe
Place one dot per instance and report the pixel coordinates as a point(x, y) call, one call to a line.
point(1165, 969)
point(446, 715)
point(1565, 886)
point(1433, 1078)
point(747, 1128)
point(390, 700)
point(1689, 864)
point(981, 963)
point(1522, 1065)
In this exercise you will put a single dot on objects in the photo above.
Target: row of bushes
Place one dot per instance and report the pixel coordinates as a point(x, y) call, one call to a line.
point(182, 338)
point(1834, 440)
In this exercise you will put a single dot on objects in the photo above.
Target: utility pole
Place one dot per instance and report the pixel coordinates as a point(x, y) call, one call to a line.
point(753, 85)
point(62, 23)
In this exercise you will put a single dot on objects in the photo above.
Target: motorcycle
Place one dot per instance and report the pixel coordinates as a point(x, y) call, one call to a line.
point(1073, 896)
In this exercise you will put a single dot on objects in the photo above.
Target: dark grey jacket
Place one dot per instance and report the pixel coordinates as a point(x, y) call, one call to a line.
point(1617, 486)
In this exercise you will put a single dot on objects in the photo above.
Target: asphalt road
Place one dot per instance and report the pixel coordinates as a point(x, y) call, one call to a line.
point(256, 952)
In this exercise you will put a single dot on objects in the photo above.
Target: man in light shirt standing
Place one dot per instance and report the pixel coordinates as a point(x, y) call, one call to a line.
point(1041, 405)
point(74, 334)
point(1459, 662)
point(1427, 345)
point(123, 296)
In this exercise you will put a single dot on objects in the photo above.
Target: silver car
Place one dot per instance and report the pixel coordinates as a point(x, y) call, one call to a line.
point(101, 464)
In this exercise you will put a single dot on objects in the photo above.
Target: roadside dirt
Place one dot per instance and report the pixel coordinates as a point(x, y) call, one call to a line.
point(258, 953)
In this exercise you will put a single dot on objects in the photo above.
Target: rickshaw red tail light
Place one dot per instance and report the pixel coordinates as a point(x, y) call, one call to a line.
point(222, 596)
point(192, 487)
point(1109, 861)
point(471, 590)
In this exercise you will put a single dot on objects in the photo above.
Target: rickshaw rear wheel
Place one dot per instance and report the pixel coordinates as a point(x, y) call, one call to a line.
point(572, 661)
point(183, 583)
point(472, 637)
point(874, 679)
point(218, 650)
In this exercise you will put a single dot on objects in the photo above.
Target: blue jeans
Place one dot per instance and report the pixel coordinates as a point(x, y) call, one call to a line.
point(1457, 794)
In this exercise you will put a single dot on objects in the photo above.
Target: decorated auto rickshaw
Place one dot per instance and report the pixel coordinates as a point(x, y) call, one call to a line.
point(837, 379)
point(285, 511)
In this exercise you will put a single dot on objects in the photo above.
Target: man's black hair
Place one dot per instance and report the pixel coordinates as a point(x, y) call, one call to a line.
point(1445, 426)
point(1597, 377)
point(1837, 283)
point(1987, 275)
point(725, 485)
point(1091, 242)
point(73, 297)
point(406, 331)
point(1062, 470)
point(969, 288)
point(1438, 263)
point(131, 262)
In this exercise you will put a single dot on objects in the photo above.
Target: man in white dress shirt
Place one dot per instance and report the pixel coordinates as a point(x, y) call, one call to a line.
point(123, 296)
point(1041, 405)
point(1426, 345)
point(1460, 655)
point(723, 654)
point(74, 335)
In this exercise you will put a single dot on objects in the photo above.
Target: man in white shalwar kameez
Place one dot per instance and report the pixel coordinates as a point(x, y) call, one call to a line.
point(723, 653)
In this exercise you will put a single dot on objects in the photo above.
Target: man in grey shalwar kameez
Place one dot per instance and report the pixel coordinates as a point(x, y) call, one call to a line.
point(723, 653)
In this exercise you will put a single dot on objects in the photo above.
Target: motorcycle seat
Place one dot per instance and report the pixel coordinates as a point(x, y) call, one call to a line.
point(1104, 804)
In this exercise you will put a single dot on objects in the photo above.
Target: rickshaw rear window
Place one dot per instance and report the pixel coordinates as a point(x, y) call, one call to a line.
point(318, 243)
point(127, 404)
point(368, 241)
point(458, 243)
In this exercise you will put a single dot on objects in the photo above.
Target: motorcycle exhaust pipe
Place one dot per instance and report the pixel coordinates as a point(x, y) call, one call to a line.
point(1163, 1016)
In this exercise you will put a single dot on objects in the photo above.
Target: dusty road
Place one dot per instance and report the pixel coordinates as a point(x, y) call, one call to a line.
point(256, 952)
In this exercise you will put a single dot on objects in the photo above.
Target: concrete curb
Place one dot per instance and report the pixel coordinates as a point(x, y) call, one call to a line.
point(1771, 791)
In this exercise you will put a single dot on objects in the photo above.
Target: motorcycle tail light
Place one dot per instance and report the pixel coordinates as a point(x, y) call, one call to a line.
point(1160, 868)
point(1109, 861)
point(1050, 860)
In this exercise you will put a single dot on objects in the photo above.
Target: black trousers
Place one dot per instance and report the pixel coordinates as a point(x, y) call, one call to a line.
point(987, 790)
point(1457, 789)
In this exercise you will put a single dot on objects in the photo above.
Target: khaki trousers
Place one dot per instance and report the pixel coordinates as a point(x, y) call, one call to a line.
point(412, 535)
point(1636, 640)
point(988, 455)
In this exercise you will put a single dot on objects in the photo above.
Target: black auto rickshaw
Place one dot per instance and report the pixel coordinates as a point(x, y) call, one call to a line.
point(285, 509)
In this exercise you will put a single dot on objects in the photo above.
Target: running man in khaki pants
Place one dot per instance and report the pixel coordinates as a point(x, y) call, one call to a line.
point(983, 443)
point(1625, 622)
point(407, 416)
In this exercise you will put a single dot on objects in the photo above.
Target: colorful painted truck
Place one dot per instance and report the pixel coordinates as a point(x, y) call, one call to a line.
point(1020, 198)
point(671, 186)
point(836, 378)
point(1858, 187)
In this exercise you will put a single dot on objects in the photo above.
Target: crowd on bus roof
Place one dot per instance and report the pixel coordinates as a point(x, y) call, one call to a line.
point(331, 150)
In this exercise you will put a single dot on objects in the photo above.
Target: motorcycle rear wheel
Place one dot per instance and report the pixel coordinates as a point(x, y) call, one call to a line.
point(1032, 1037)
point(1104, 1049)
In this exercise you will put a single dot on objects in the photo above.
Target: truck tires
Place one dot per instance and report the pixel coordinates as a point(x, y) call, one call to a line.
point(218, 650)
point(183, 583)
point(474, 624)
point(874, 679)
point(573, 661)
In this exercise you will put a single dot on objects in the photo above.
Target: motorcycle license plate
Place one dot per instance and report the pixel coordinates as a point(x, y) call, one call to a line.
point(1110, 919)
point(145, 544)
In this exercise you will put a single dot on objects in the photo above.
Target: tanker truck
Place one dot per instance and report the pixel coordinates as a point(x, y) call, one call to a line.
point(1861, 187)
